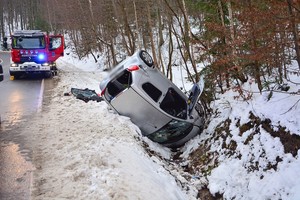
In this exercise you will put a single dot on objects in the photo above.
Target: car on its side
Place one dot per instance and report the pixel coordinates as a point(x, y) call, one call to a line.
point(137, 89)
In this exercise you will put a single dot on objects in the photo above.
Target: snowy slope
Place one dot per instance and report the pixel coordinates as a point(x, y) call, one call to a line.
point(252, 145)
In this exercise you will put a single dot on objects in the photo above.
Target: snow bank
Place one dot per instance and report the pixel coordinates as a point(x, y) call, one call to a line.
point(258, 167)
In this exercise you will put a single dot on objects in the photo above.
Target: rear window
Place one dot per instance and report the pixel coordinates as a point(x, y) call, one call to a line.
point(118, 85)
point(152, 91)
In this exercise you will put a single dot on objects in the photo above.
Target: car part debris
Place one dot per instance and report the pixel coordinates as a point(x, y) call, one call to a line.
point(85, 95)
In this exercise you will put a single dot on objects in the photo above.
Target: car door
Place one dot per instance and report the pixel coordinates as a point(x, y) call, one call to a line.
point(195, 94)
point(56, 47)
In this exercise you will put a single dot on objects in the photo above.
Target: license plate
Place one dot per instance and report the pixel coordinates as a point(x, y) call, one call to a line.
point(29, 68)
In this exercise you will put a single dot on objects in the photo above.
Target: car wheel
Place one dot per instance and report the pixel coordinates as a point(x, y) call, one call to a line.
point(145, 56)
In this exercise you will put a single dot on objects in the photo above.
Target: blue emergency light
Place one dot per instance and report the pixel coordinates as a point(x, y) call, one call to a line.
point(41, 56)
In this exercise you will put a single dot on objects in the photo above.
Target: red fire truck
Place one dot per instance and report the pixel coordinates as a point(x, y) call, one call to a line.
point(34, 51)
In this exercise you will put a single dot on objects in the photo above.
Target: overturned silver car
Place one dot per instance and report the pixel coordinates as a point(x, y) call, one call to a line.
point(137, 89)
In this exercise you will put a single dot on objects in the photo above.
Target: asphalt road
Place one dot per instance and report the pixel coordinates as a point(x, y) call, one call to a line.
point(18, 97)
point(19, 101)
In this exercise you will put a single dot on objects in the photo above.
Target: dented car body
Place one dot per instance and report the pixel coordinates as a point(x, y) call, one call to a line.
point(137, 89)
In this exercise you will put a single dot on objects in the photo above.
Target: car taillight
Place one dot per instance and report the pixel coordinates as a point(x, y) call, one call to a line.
point(102, 92)
point(133, 68)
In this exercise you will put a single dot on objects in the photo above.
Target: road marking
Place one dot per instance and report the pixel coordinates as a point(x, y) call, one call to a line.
point(40, 98)
point(1, 61)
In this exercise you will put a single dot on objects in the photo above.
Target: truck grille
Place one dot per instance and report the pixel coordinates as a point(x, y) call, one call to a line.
point(30, 59)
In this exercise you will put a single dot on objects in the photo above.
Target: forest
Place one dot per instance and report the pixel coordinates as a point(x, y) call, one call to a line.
point(234, 39)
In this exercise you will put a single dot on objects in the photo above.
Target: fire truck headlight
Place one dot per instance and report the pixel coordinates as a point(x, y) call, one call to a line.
point(41, 56)
point(45, 64)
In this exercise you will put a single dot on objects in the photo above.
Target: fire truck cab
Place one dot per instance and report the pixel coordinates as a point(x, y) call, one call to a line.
point(34, 51)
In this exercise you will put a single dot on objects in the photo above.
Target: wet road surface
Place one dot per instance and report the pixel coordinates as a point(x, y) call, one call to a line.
point(19, 101)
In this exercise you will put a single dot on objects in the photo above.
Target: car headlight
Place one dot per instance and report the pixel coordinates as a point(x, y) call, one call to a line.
point(14, 65)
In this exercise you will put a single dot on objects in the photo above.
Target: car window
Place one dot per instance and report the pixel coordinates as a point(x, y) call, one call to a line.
point(174, 104)
point(152, 91)
point(173, 131)
point(118, 85)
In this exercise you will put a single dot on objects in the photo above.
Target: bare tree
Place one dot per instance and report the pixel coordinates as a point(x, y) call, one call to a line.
point(295, 30)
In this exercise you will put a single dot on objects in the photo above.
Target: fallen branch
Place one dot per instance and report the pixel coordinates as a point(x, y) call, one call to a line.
point(291, 107)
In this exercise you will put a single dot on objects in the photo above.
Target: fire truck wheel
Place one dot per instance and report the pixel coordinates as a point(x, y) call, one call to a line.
point(14, 76)
point(48, 74)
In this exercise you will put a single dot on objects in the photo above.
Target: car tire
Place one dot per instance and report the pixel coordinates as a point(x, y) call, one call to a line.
point(145, 56)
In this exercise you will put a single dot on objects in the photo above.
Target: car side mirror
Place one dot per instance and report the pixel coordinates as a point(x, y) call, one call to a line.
point(1, 73)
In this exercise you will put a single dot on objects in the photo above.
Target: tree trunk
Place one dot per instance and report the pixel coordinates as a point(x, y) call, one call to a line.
point(49, 17)
point(171, 50)
point(127, 30)
point(150, 27)
point(137, 34)
point(294, 27)
point(253, 39)
point(187, 40)
point(160, 41)
point(2, 20)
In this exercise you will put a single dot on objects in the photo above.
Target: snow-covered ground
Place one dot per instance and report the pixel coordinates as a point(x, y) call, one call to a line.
point(85, 151)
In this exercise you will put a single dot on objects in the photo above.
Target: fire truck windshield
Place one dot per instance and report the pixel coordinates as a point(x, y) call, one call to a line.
point(28, 43)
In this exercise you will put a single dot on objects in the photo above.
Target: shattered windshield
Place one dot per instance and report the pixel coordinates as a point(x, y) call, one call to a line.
point(28, 43)
point(173, 131)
